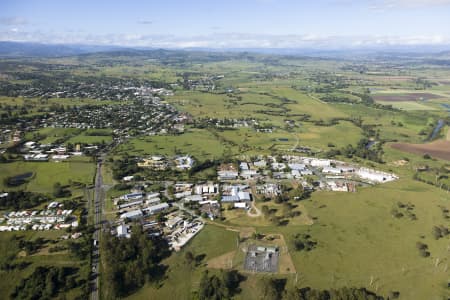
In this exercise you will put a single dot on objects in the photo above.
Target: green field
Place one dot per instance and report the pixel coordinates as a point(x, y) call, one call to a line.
point(183, 279)
point(198, 143)
point(48, 173)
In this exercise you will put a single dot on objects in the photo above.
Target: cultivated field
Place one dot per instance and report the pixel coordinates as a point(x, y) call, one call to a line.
point(439, 149)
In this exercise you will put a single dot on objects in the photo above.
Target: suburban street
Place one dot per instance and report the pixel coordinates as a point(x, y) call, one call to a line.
point(97, 209)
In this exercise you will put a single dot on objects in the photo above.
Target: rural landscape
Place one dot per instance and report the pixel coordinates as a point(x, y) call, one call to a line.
point(168, 173)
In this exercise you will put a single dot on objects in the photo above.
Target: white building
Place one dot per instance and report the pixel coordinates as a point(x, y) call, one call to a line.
point(156, 208)
point(122, 231)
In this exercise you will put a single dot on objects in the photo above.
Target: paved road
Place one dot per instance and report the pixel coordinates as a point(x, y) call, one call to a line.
point(98, 209)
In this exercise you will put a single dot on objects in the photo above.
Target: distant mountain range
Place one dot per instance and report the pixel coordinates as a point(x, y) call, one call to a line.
point(26, 49)
point(18, 49)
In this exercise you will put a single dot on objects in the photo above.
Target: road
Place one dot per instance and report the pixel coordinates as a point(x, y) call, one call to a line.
point(98, 209)
point(257, 212)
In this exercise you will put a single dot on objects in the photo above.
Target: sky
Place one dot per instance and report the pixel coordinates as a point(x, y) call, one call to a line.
point(325, 24)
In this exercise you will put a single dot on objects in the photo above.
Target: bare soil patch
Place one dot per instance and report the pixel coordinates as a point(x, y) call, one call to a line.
point(438, 149)
point(399, 163)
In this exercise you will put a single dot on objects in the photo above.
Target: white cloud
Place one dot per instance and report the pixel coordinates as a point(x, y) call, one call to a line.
point(383, 5)
point(224, 40)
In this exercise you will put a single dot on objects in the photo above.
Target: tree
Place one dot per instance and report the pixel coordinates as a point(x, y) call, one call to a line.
point(58, 190)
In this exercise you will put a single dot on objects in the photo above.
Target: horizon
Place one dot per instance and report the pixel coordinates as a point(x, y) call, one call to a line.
point(259, 24)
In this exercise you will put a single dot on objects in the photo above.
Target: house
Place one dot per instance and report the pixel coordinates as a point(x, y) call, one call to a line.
point(270, 189)
point(128, 178)
point(52, 205)
point(209, 188)
point(122, 231)
point(30, 145)
point(249, 174)
point(278, 166)
point(296, 174)
point(296, 166)
point(194, 198)
point(260, 164)
point(184, 162)
point(244, 166)
point(306, 172)
point(243, 205)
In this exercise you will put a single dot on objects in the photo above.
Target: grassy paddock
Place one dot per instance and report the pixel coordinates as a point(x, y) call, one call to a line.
point(183, 279)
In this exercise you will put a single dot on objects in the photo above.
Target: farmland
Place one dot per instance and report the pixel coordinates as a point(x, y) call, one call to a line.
point(233, 108)
point(439, 149)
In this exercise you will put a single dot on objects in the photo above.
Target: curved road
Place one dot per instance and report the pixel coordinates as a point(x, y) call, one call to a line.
point(257, 211)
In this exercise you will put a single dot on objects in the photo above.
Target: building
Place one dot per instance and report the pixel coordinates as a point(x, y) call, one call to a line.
point(249, 174)
point(128, 178)
point(331, 170)
point(315, 162)
point(184, 162)
point(155, 208)
point(243, 205)
point(154, 162)
point(173, 222)
point(132, 196)
point(227, 172)
point(123, 231)
point(134, 214)
point(375, 176)
point(244, 166)
point(131, 204)
point(194, 198)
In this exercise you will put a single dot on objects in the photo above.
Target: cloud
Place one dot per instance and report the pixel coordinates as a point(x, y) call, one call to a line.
point(226, 40)
point(145, 22)
point(13, 21)
point(382, 5)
